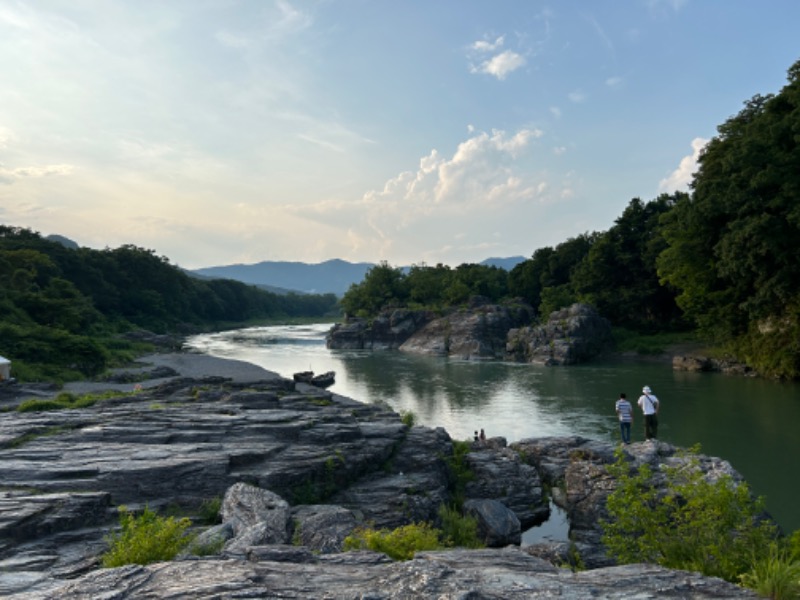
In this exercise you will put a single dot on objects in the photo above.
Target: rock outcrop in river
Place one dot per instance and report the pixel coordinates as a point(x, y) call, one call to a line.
point(481, 331)
point(296, 469)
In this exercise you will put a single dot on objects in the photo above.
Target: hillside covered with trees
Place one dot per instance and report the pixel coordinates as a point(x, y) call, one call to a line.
point(720, 261)
point(62, 308)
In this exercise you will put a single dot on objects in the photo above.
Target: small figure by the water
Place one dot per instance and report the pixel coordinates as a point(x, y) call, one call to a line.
point(649, 404)
point(476, 438)
point(482, 436)
point(625, 414)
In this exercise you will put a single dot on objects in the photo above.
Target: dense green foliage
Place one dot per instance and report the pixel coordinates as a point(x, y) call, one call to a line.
point(714, 528)
point(145, 539)
point(720, 262)
point(60, 307)
point(423, 287)
point(733, 245)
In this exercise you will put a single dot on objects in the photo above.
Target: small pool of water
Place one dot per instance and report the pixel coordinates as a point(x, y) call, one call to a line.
point(555, 529)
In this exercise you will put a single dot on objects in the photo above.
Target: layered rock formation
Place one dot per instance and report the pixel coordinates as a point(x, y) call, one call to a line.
point(296, 469)
point(570, 335)
point(482, 331)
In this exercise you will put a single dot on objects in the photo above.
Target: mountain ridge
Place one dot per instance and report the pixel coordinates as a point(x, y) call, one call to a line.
point(333, 276)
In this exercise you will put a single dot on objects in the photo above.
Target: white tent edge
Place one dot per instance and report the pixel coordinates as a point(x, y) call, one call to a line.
point(5, 368)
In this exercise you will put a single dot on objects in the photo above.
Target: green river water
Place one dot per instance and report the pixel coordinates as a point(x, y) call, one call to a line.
point(752, 423)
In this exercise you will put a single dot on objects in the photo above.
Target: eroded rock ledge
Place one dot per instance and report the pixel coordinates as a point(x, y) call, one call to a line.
point(298, 468)
point(482, 331)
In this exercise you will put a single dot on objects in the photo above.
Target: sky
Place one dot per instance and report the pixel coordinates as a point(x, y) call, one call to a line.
point(217, 132)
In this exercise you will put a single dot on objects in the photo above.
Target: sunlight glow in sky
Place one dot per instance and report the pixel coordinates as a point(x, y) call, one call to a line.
point(223, 131)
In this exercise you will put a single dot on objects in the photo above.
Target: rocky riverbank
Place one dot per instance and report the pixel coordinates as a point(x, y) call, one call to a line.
point(295, 469)
point(482, 331)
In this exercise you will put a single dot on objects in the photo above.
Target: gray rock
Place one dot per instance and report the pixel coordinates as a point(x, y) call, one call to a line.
point(256, 516)
point(498, 526)
point(570, 335)
point(477, 332)
point(509, 573)
point(322, 528)
point(501, 475)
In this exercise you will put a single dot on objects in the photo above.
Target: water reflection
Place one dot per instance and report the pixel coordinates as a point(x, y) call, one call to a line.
point(750, 422)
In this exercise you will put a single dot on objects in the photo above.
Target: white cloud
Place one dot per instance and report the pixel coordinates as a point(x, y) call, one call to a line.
point(681, 177)
point(12, 175)
point(485, 46)
point(500, 65)
point(486, 182)
point(577, 97)
point(613, 81)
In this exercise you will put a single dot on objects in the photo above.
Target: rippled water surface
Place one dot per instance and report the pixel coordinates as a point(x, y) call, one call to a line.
point(750, 422)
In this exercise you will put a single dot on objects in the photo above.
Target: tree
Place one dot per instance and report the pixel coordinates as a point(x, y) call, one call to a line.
point(618, 274)
point(732, 245)
point(382, 286)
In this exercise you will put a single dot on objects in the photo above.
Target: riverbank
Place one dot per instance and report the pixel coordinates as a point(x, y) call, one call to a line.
point(308, 466)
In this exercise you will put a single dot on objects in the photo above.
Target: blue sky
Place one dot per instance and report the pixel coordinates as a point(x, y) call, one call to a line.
point(222, 131)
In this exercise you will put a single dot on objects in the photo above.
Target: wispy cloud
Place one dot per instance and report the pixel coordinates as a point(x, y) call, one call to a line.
point(576, 97)
point(11, 175)
point(681, 177)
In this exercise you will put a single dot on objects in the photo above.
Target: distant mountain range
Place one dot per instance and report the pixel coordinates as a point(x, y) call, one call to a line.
point(332, 276)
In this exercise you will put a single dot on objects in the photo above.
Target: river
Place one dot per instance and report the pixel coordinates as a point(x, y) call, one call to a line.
point(752, 423)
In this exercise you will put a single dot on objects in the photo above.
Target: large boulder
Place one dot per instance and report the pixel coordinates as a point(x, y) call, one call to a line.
point(498, 526)
point(387, 331)
point(475, 332)
point(570, 335)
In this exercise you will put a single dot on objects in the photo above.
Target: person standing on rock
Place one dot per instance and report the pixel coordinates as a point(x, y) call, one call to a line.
point(649, 405)
point(625, 415)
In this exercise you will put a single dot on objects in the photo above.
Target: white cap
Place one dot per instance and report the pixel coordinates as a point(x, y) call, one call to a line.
point(646, 389)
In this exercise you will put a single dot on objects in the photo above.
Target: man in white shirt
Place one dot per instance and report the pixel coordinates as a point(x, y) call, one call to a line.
point(649, 405)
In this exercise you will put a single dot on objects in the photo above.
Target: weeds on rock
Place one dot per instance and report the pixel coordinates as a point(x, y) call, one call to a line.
point(398, 544)
point(145, 539)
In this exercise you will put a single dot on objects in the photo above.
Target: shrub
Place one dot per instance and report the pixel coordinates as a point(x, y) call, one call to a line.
point(210, 511)
point(399, 544)
point(460, 531)
point(774, 575)
point(460, 473)
point(711, 527)
point(408, 418)
point(145, 539)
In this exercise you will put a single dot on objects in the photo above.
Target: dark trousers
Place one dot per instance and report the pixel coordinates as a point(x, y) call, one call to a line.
point(650, 427)
point(625, 431)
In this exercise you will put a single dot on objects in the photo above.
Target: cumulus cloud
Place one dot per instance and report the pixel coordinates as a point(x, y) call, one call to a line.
point(681, 177)
point(499, 64)
point(487, 181)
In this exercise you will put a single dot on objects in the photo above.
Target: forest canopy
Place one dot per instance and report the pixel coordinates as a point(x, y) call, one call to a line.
point(61, 306)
